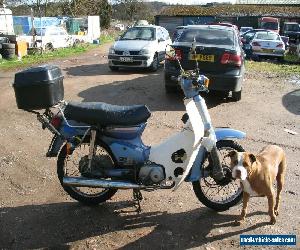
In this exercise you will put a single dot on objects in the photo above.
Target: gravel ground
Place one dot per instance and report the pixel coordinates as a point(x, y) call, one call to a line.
point(36, 213)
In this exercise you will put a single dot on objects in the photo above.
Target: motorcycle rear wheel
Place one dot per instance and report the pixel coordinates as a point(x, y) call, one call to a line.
point(206, 182)
point(88, 196)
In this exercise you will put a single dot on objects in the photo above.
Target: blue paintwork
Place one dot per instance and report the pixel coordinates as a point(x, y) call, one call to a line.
point(127, 147)
point(229, 133)
point(221, 134)
point(128, 152)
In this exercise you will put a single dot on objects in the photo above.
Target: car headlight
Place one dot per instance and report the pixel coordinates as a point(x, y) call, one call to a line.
point(145, 51)
point(111, 50)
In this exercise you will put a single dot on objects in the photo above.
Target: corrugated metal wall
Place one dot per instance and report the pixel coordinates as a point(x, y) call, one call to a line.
point(170, 23)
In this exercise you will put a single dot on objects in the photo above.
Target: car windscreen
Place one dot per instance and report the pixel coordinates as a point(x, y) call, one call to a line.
point(269, 25)
point(267, 36)
point(207, 36)
point(139, 33)
point(292, 27)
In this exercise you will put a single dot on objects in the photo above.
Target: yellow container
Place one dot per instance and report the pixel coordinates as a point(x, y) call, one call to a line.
point(21, 48)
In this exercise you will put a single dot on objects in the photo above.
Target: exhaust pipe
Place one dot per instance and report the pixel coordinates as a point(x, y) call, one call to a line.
point(96, 183)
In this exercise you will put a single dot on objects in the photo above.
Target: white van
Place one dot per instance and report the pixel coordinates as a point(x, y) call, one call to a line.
point(6, 22)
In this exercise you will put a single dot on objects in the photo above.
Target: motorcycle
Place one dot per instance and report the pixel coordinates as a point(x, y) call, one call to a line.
point(99, 148)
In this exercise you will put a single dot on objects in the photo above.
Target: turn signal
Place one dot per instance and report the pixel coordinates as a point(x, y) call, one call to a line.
point(56, 121)
point(206, 82)
point(280, 45)
point(255, 44)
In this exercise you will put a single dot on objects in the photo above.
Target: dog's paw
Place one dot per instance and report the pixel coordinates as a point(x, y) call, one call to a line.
point(273, 221)
point(276, 212)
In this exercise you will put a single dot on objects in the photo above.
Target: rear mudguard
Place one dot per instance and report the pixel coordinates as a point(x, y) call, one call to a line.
point(221, 134)
point(68, 133)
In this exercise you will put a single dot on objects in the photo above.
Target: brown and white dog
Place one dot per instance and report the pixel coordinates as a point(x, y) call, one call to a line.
point(258, 174)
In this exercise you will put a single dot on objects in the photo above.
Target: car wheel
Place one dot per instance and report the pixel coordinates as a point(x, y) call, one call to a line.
point(114, 68)
point(236, 95)
point(154, 64)
point(8, 46)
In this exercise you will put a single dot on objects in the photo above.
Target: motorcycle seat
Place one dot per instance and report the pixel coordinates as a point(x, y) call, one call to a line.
point(104, 114)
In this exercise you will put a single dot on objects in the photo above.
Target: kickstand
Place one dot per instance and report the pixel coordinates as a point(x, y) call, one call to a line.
point(137, 197)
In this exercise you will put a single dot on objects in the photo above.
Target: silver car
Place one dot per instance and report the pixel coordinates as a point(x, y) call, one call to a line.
point(140, 46)
point(267, 44)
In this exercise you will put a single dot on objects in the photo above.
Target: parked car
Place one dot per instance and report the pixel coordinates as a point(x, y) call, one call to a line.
point(246, 39)
point(139, 46)
point(267, 44)
point(245, 29)
point(49, 38)
point(219, 55)
point(292, 30)
point(227, 25)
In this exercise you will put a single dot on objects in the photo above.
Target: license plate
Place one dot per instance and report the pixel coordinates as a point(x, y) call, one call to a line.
point(202, 58)
point(268, 50)
point(126, 59)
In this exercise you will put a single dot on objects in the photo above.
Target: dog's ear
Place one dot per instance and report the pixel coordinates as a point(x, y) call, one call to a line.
point(232, 153)
point(252, 158)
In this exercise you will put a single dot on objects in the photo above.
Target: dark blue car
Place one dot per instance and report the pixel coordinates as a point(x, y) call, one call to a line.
point(219, 55)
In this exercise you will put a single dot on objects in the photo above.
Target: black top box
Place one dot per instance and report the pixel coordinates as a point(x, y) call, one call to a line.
point(39, 87)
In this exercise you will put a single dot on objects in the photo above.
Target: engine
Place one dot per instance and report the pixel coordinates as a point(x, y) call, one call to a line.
point(151, 174)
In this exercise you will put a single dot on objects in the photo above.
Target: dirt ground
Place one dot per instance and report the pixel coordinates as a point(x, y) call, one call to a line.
point(36, 213)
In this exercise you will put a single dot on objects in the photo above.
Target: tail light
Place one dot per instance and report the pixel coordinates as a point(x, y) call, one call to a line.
point(228, 58)
point(279, 45)
point(56, 121)
point(255, 44)
point(178, 55)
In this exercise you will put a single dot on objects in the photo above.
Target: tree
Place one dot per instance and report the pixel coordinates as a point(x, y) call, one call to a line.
point(131, 7)
point(105, 14)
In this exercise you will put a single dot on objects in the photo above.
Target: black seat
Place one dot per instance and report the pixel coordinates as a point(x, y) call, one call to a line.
point(103, 114)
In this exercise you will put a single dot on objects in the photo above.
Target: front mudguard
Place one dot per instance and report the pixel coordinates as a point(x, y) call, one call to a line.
point(221, 134)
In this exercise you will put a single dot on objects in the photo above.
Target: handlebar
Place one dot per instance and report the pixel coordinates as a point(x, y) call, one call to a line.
point(199, 82)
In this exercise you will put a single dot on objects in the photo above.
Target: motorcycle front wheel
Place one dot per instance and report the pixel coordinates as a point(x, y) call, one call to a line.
point(219, 196)
point(72, 166)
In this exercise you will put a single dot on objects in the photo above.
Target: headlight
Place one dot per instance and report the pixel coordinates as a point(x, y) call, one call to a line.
point(111, 50)
point(145, 51)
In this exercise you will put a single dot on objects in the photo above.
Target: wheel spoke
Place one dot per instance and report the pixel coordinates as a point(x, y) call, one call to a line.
point(215, 192)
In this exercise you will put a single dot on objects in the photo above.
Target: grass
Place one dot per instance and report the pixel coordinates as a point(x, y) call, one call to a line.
point(289, 67)
point(57, 54)
point(42, 58)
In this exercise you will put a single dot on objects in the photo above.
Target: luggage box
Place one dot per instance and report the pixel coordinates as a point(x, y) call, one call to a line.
point(39, 87)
